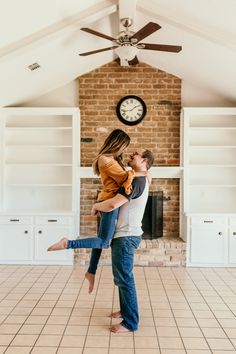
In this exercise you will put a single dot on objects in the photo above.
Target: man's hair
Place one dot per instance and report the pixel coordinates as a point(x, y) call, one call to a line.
point(148, 155)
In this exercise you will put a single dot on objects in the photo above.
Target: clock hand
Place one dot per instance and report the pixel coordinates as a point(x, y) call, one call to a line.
point(129, 110)
point(135, 107)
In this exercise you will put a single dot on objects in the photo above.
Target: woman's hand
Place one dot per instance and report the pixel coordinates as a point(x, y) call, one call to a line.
point(94, 210)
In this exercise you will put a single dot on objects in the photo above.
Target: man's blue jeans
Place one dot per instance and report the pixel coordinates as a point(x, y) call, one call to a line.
point(123, 249)
point(105, 233)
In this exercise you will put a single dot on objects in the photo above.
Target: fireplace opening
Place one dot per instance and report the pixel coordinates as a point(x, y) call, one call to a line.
point(152, 223)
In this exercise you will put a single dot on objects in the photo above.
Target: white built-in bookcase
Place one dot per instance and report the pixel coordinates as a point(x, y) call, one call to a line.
point(39, 161)
point(39, 183)
point(210, 160)
point(209, 163)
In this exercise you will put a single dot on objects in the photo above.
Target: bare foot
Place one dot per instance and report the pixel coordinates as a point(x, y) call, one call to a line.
point(118, 328)
point(91, 279)
point(115, 314)
point(61, 245)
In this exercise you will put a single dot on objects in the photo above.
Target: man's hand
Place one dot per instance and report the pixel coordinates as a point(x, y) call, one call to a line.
point(149, 177)
point(109, 204)
point(141, 174)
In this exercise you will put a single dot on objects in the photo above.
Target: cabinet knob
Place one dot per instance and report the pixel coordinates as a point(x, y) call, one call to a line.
point(40, 231)
point(220, 233)
point(234, 233)
point(26, 232)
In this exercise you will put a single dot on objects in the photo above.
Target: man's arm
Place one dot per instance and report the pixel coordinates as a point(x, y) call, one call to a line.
point(109, 204)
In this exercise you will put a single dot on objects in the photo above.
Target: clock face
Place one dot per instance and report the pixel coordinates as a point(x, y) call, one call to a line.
point(131, 110)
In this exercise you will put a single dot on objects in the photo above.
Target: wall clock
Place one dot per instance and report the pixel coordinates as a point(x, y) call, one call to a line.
point(131, 110)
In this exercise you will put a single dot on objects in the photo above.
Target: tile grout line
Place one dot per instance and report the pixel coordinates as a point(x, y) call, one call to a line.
point(31, 308)
point(62, 289)
point(209, 307)
point(2, 284)
point(215, 289)
point(166, 292)
point(186, 298)
point(72, 308)
point(98, 282)
point(146, 281)
point(54, 276)
point(112, 309)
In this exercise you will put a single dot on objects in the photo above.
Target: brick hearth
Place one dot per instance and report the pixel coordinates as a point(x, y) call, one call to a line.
point(160, 252)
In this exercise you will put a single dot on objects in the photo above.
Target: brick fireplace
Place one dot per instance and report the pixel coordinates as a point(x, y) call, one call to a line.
point(99, 92)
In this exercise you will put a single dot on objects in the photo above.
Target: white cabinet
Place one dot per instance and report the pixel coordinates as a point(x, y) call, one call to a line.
point(208, 240)
point(209, 164)
point(39, 155)
point(16, 238)
point(48, 231)
point(25, 239)
point(232, 240)
point(16, 243)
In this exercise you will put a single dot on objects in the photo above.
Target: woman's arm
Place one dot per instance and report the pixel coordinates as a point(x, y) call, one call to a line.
point(112, 168)
point(115, 170)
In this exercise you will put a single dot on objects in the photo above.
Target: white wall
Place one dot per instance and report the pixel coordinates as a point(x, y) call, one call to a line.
point(31, 16)
point(65, 96)
point(194, 96)
point(68, 96)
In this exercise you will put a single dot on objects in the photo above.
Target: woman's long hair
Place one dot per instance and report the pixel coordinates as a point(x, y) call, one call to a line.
point(116, 142)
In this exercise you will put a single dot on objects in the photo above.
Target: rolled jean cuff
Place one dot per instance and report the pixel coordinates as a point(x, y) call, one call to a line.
point(71, 244)
point(127, 327)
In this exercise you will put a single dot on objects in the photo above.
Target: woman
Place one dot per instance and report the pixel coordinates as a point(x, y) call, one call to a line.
point(109, 166)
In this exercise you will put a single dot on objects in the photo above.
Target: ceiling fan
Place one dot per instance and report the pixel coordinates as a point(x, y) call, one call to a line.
point(127, 43)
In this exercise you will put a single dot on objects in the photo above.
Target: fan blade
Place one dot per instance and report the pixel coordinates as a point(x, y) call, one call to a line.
point(97, 33)
point(134, 61)
point(162, 47)
point(146, 31)
point(97, 51)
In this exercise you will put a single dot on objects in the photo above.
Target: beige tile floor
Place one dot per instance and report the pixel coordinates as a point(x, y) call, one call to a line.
point(47, 310)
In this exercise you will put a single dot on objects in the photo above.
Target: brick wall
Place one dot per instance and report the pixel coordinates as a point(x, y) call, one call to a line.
point(99, 92)
point(170, 187)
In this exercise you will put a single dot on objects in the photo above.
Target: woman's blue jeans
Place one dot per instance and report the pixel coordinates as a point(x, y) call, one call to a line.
point(105, 233)
point(123, 249)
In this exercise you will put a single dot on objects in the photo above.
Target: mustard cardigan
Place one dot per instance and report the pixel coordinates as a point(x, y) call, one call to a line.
point(113, 177)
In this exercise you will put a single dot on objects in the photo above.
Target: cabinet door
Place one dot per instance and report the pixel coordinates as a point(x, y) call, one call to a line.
point(208, 244)
point(45, 237)
point(232, 244)
point(15, 244)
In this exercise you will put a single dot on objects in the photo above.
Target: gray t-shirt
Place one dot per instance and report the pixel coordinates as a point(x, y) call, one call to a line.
point(131, 213)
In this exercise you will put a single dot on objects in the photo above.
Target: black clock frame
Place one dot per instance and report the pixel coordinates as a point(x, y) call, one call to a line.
point(122, 119)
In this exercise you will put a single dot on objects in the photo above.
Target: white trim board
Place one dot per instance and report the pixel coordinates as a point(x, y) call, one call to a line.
point(156, 172)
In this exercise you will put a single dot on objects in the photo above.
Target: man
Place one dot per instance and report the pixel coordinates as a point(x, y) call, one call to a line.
point(127, 238)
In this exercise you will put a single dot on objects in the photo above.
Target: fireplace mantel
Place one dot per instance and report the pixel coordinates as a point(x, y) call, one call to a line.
point(157, 172)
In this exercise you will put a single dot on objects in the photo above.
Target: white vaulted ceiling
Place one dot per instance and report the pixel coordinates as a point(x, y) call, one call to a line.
point(48, 32)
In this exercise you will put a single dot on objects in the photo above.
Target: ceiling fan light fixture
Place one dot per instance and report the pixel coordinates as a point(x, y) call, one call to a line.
point(126, 52)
